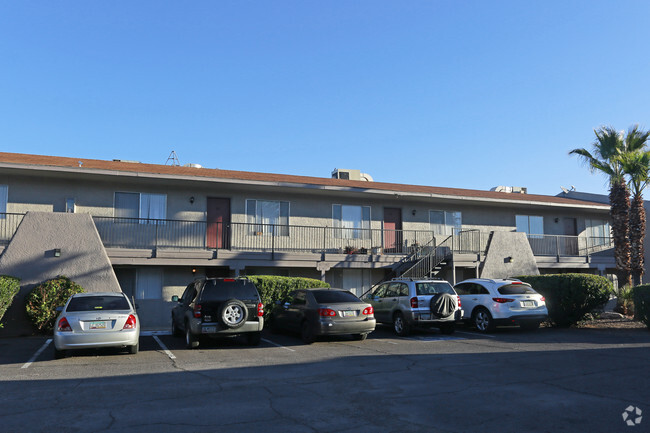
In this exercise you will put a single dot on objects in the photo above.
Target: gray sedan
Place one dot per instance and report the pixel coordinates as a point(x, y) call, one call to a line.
point(94, 320)
point(314, 312)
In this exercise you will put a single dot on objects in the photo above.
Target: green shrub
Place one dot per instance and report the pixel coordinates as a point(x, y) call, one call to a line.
point(9, 288)
point(641, 296)
point(274, 288)
point(42, 301)
point(569, 297)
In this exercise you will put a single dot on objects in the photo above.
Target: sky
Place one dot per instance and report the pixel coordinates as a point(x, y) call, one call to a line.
point(461, 94)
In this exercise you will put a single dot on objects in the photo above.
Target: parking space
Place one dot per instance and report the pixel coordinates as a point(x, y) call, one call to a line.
point(424, 382)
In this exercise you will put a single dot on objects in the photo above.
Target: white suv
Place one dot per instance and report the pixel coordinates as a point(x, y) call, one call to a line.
point(488, 303)
point(407, 303)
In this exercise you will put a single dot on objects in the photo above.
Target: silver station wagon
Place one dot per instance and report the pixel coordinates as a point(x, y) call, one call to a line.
point(94, 320)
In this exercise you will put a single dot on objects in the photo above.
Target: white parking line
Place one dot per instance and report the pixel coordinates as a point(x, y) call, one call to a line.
point(163, 347)
point(37, 354)
point(276, 344)
point(475, 334)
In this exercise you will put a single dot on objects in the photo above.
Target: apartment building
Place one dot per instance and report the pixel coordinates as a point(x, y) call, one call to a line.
point(150, 229)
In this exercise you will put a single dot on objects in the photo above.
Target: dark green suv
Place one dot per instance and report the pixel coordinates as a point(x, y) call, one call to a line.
point(218, 307)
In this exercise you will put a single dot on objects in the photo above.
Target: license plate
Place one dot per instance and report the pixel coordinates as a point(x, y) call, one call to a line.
point(208, 329)
point(527, 303)
point(97, 325)
point(349, 313)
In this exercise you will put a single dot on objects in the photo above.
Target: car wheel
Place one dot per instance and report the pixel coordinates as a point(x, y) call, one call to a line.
point(448, 328)
point(400, 326)
point(58, 354)
point(529, 326)
point(175, 331)
point(134, 349)
point(254, 338)
point(483, 321)
point(307, 333)
point(233, 314)
point(191, 341)
point(360, 337)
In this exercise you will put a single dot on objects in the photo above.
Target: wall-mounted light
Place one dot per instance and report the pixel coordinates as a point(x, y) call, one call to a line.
point(508, 260)
point(413, 212)
point(57, 252)
point(193, 271)
point(557, 220)
point(192, 200)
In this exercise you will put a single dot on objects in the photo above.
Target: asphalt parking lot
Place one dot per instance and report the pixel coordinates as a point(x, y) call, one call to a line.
point(509, 381)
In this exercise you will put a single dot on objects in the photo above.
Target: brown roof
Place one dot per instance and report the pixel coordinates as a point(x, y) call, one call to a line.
point(168, 170)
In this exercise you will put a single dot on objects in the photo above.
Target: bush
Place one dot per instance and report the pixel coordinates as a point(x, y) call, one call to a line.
point(274, 288)
point(641, 296)
point(44, 298)
point(569, 297)
point(9, 288)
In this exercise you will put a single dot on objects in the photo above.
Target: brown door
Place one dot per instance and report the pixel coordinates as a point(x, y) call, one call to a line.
point(570, 241)
point(392, 230)
point(218, 220)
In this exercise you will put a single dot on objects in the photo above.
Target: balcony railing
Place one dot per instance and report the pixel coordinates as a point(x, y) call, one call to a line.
point(9, 222)
point(567, 246)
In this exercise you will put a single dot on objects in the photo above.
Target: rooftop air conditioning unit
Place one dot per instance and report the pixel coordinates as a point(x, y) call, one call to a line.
point(510, 189)
point(347, 174)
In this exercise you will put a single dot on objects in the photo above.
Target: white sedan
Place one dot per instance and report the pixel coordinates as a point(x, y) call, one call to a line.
point(94, 320)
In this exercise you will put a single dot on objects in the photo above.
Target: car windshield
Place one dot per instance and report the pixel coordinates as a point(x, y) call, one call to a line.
point(333, 296)
point(220, 290)
point(516, 289)
point(95, 303)
point(433, 288)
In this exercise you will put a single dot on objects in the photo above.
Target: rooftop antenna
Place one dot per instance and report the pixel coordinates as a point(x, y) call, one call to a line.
point(172, 159)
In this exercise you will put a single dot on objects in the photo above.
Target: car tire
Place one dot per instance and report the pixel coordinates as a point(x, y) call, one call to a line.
point(483, 321)
point(400, 326)
point(191, 341)
point(443, 305)
point(529, 326)
point(233, 314)
point(59, 354)
point(307, 332)
point(360, 337)
point(134, 349)
point(448, 328)
point(175, 331)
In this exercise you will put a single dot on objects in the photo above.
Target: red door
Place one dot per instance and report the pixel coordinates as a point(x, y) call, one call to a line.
point(218, 219)
point(392, 230)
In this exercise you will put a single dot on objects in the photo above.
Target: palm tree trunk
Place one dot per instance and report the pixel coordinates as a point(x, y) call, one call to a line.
point(619, 198)
point(637, 236)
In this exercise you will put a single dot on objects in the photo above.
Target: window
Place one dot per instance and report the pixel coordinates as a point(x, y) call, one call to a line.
point(141, 205)
point(266, 216)
point(445, 223)
point(4, 192)
point(69, 205)
point(149, 283)
point(532, 225)
point(351, 222)
point(598, 232)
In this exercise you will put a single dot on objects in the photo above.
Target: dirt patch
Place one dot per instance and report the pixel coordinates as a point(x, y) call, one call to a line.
point(611, 323)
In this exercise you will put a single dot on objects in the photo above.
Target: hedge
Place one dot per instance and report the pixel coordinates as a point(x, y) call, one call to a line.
point(274, 288)
point(569, 297)
point(641, 296)
point(42, 301)
point(9, 288)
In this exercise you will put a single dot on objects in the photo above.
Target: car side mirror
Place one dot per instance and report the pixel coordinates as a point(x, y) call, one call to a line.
point(59, 309)
point(175, 298)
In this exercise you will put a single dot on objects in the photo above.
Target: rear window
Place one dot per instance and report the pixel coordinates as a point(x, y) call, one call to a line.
point(98, 303)
point(222, 290)
point(433, 288)
point(333, 296)
point(516, 289)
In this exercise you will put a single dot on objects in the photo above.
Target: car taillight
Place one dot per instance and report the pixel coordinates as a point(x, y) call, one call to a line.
point(543, 299)
point(458, 297)
point(326, 312)
point(260, 309)
point(63, 325)
point(130, 322)
point(197, 311)
point(414, 303)
point(368, 311)
point(503, 300)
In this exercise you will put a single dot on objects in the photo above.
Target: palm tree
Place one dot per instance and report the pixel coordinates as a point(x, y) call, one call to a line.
point(608, 149)
point(636, 164)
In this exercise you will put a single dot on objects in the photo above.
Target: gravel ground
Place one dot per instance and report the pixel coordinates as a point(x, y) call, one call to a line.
point(611, 323)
